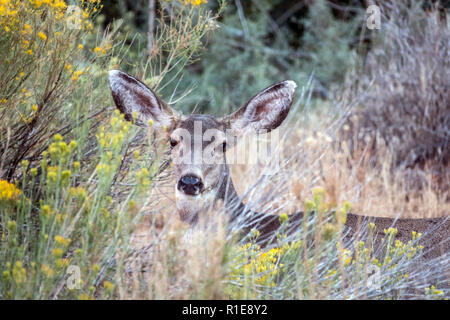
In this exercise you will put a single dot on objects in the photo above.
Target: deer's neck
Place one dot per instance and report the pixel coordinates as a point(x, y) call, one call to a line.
point(226, 192)
point(241, 217)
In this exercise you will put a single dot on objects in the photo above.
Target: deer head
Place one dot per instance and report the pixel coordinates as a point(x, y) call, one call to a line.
point(198, 142)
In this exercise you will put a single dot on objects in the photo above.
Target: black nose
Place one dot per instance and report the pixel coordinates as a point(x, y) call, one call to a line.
point(190, 185)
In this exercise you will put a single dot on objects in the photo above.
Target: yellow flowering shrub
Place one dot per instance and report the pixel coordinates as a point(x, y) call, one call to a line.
point(39, 44)
point(255, 269)
point(317, 264)
point(8, 192)
point(76, 224)
point(50, 223)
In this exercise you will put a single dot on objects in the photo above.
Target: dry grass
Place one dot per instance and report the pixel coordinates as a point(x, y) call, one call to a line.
point(373, 191)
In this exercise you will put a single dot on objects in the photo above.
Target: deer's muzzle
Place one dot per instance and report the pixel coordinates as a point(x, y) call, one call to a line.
point(190, 185)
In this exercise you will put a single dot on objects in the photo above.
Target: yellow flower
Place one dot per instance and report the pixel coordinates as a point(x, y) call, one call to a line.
point(73, 144)
point(108, 286)
point(52, 176)
point(27, 29)
point(65, 175)
point(8, 191)
point(76, 75)
point(330, 273)
point(318, 191)
point(42, 35)
point(194, 3)
point(46, 211)
point(283, 217)
point(347, 260)
point(329, 231)
point(57, 252)
point(6, 275)
point(12, 225)
point(62, 241)
point(62, 263)
point(96, 267)
point(255, 233)
point(390, 231)
point(19, 273)
point(85, 296)
point(47, 271)
point(346, 206)
point(29, 52)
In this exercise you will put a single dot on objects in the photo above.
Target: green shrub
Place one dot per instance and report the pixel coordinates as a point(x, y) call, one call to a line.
point(74, 179)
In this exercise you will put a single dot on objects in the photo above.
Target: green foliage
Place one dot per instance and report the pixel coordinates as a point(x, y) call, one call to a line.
point(246, 54)
point(327, 40)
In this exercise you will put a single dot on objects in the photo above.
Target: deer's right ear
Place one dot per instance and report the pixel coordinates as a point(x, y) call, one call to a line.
point(264, 112)
point(134, 99)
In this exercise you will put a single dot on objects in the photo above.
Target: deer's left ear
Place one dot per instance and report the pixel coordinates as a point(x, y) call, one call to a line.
point(264, 112)
point(134, 99)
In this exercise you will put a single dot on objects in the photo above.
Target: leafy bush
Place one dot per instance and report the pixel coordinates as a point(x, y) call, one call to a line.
point(72, 230)
point(47, 66)
point(73, 181)
point(328, 42)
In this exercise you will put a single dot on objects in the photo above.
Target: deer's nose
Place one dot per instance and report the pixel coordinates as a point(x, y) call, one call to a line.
point(190, 184)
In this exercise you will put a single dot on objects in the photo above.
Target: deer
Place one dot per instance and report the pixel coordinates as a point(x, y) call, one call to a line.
point(198, 185)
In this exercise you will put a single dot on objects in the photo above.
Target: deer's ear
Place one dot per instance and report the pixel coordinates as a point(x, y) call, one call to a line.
point(265, 111)
point(134, 99)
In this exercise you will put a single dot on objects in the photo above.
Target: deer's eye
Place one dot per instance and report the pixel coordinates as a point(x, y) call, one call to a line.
point(173, 143)
point(221, 148)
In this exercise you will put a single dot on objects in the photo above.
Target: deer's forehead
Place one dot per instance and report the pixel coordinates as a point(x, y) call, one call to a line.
point(200, 121)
